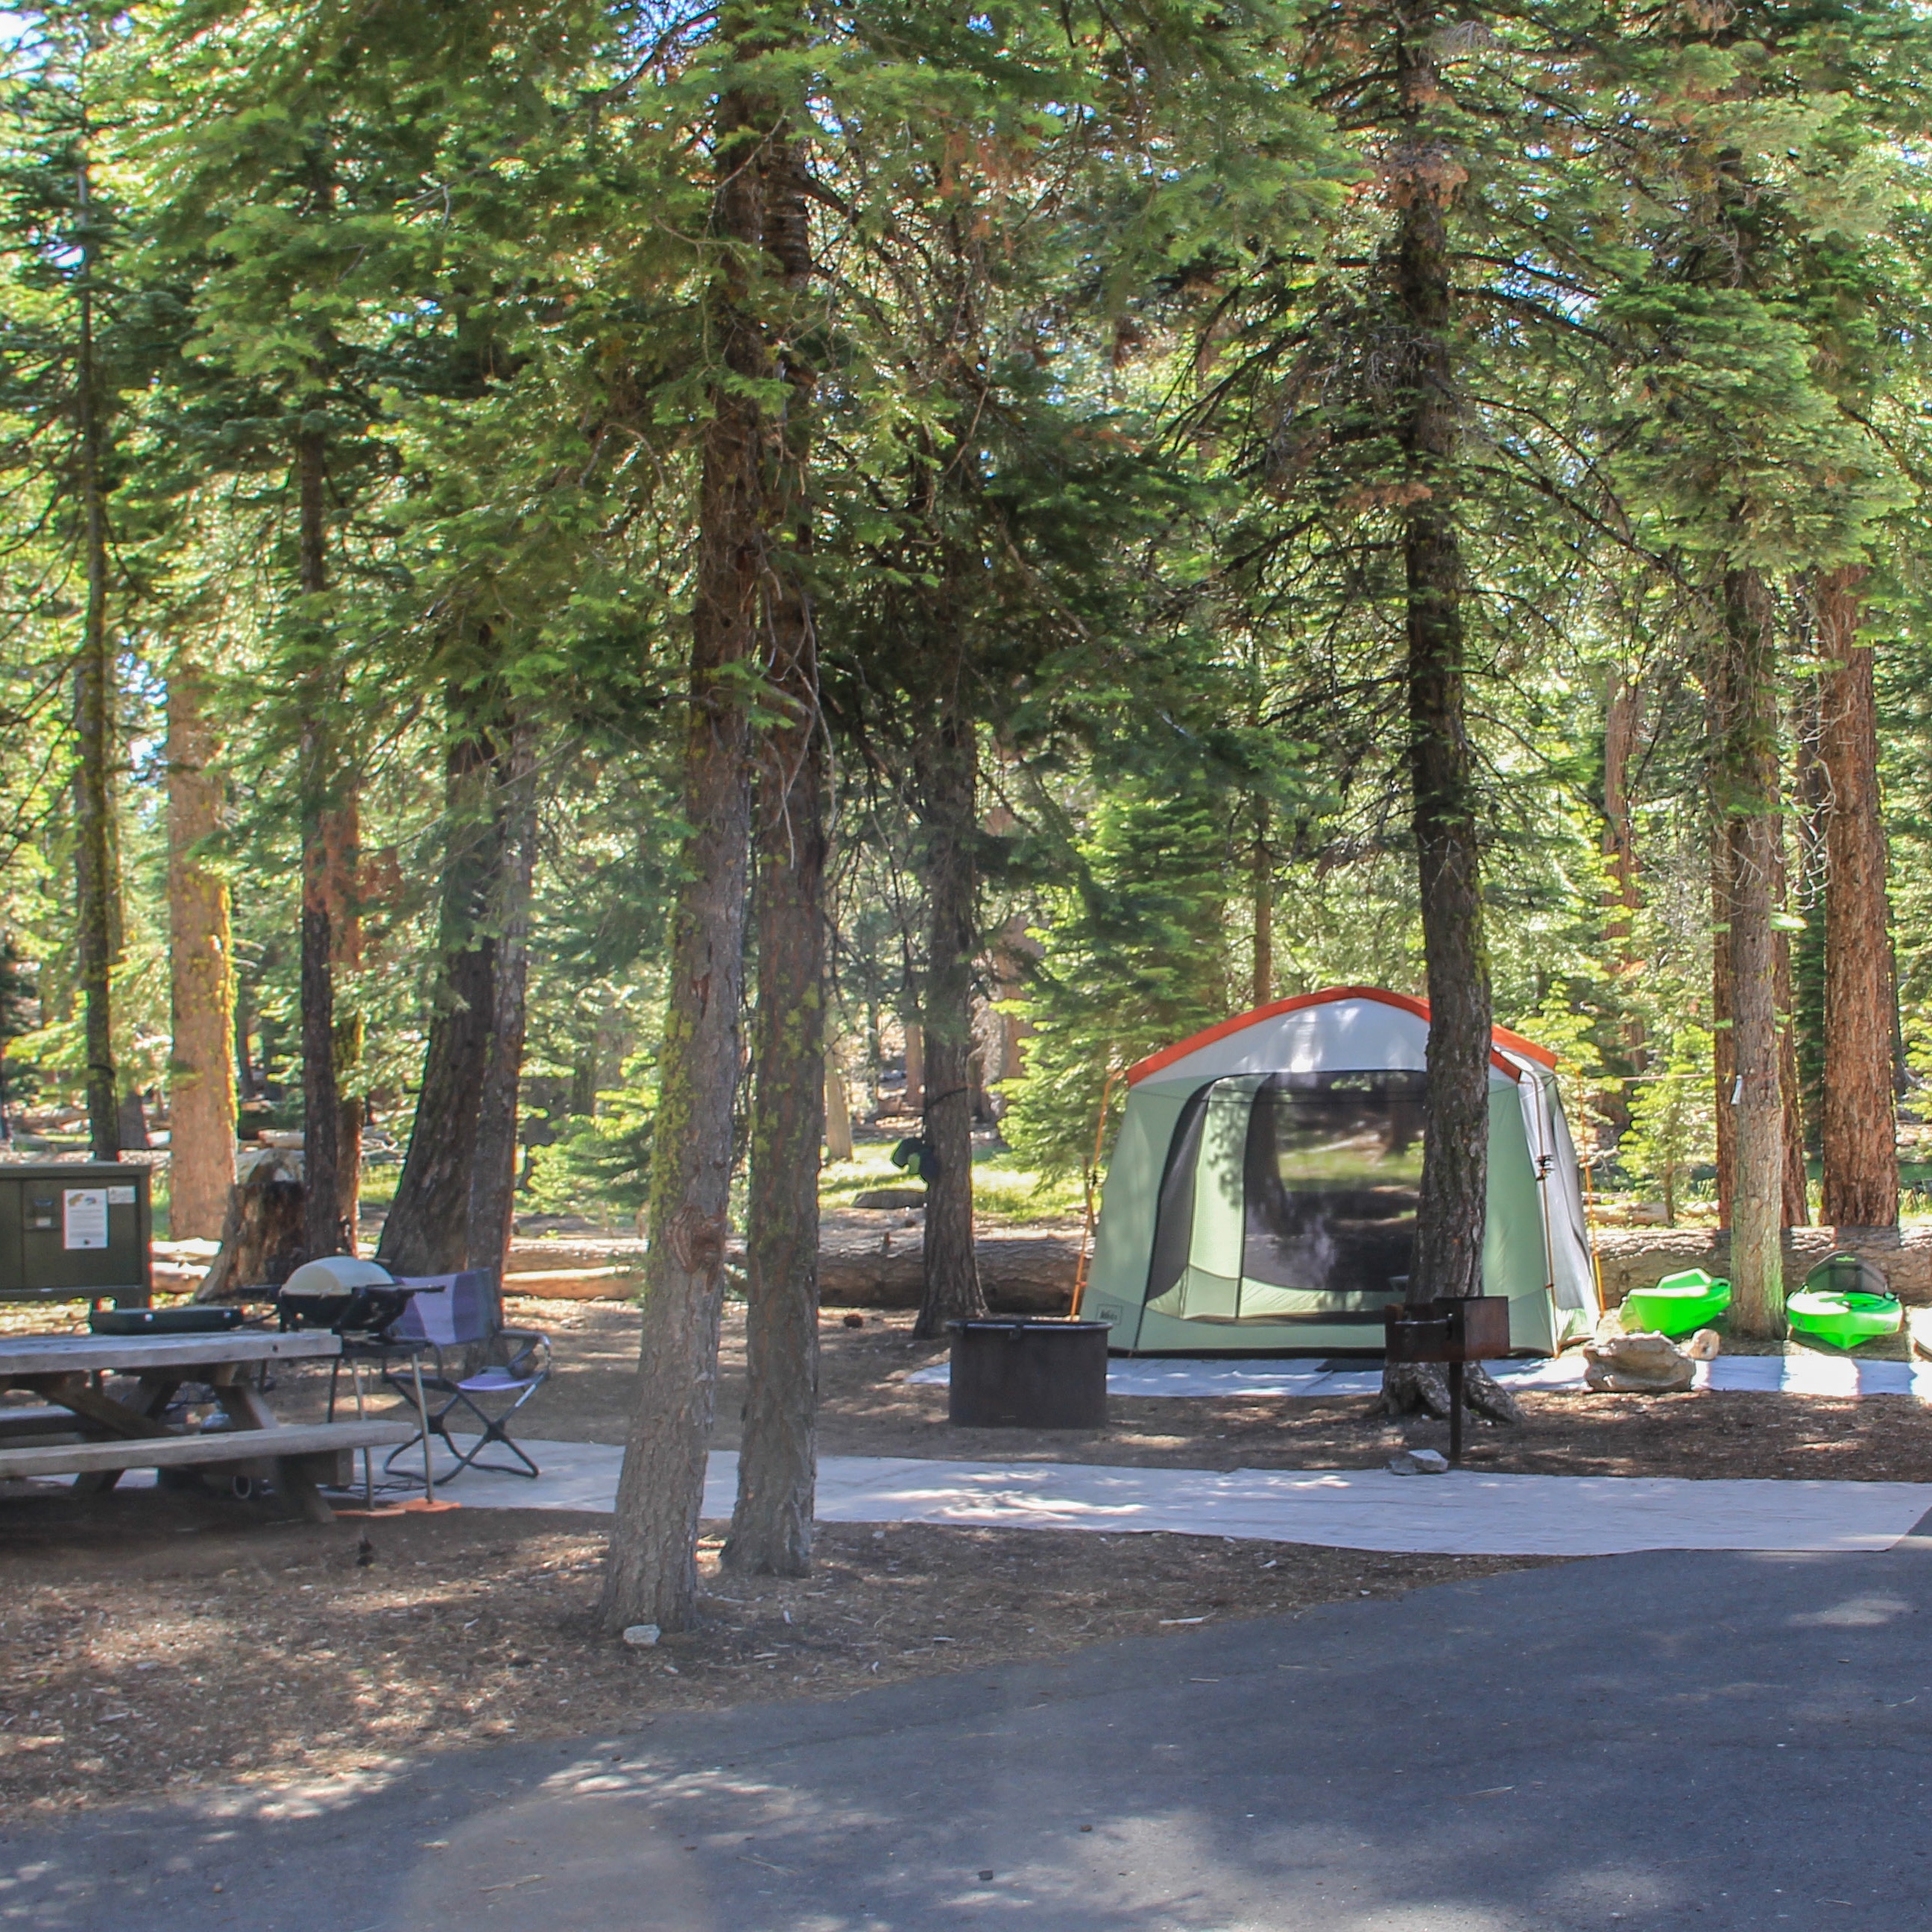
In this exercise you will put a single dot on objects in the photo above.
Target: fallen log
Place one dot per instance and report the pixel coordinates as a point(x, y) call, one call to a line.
point(590, 1284)
point(1635, 1257)
point(1023, 1273)
point(551, 1256)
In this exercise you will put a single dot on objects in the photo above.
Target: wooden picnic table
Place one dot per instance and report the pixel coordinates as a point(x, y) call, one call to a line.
point(94, 1436)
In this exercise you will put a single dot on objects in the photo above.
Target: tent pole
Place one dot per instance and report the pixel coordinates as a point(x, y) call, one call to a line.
point(1093, 1178)
point(1590, 1228)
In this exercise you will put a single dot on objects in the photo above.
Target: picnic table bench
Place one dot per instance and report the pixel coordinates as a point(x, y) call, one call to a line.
point(93, 1435)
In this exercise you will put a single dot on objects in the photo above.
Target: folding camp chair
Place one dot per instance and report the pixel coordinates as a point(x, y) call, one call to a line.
point(448, 1316)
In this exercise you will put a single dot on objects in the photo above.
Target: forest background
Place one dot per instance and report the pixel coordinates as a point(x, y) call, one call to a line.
point(357, 367)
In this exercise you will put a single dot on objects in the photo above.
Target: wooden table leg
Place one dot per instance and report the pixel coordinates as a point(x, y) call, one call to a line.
point(135, 1418)
point(242, 1402)
point(293, 1483)
point(295, 1486)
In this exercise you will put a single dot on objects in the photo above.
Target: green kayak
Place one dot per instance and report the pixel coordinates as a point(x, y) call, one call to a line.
point(1844, 1320)
point(1678, 1303)
point(1845, 1301)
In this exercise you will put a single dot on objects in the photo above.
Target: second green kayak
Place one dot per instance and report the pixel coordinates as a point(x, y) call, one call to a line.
point(1678, 1303)
point(1844, 1319)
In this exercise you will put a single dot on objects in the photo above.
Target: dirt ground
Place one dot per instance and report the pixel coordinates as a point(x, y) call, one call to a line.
point(156, 1642)
point(868, 1408)
point(151, 1642)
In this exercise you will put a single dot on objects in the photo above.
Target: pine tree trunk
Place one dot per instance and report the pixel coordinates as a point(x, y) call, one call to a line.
point(427, 1229)
point(1262, 991)
point(1623, 722)
point(97, 881)
point(583, 1101)
point(1450, 1217)
point(946, 755)
point(771, 1527)
point(912, 1097)
point(321, 1230)
point(201, 1073)
point(651, 1574)
point(839, 1145)
point(348, 1041)
point(1447, 810)
point(1860, 1130)
point(1744, 796)
point(1806, 897)
point(771, 1523)
point(342, 848)
point(494, 1169)
point(247, 1078)
point(1723, 1039)
point(1795, 1193)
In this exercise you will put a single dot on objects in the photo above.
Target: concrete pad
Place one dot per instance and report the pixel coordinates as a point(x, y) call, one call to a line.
point(1791, 1374)
point(1462, 1513)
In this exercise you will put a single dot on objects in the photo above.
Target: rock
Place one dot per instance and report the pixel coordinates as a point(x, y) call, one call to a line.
point(1642, 1364)
point(642, 1636)
point(1419, 1462)
point(890, 1197)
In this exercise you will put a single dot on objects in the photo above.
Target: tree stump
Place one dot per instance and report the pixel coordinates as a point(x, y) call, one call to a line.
point(1422, 1388)
point(261, 1235)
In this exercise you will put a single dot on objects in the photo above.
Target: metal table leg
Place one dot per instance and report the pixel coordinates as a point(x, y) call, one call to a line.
point(422, 1416)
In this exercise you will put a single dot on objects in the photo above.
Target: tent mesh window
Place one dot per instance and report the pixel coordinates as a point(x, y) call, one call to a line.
point(1174, 1223)
point(1332, 1178)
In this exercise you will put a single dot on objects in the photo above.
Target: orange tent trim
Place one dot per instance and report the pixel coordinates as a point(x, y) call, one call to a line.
point(1501, 1036)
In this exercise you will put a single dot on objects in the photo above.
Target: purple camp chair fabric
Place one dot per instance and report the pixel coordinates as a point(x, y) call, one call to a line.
point(462, 1311)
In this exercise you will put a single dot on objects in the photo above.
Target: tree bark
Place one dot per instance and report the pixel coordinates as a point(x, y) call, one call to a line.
point(912, 1097)
point(350, 1041)
point(1447, 809)
point(771, 1523)
point(1724, 1038)
point(427, 1230)
point(261, 1241)
point(493, 1174)
point(1623, 723)
point(322, 1229)
point(1860, 1142)
point(1795, 1192)
point(342, 848)
point(839, 1145)
point(1744, 798)
point(771, 1527)
point(946, 753)
point(651, 1573)
point(1805, 896)
point(201, 976)
point(1262, 875)
point(97, 881)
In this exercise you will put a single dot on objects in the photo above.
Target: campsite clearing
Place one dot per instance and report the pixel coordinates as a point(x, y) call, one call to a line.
point(159, 1642)
point(868, 1408)
point(163, 1643)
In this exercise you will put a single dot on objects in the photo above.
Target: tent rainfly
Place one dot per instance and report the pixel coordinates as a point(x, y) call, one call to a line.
point(1261, 1196)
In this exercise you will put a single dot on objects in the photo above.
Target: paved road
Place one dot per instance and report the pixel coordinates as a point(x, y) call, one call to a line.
point(1675, 1739)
